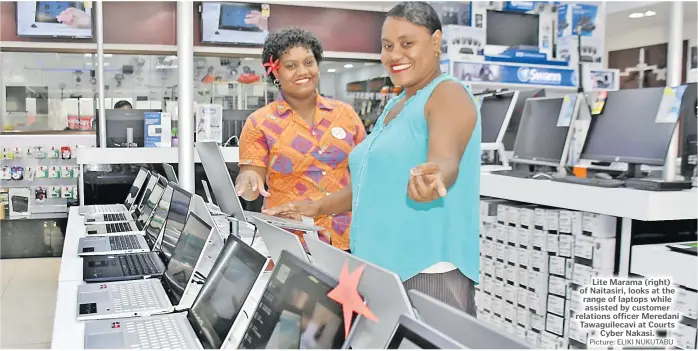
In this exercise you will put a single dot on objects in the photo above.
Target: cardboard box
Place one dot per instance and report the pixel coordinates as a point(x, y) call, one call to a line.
point(556, 265)
point(565, 245)
point(557, 286)
point(598, 226)
point(555, 324)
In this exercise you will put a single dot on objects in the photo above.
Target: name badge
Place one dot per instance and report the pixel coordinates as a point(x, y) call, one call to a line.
point(339, 133)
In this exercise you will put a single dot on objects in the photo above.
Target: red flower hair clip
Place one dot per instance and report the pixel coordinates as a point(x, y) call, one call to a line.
point(272, 65)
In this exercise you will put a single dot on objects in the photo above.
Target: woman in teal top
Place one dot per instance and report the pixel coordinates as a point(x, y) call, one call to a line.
point(416, 177)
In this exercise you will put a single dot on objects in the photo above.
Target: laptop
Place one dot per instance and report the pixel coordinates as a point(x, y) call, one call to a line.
point(690, 248)
point(150, 296)
point(126, 216)
point(217, 173)
point(411, 334)
point(278, 240)
point(206, 325)
point(105, 268)
point(170, 172)
point(133, 227)
point(121, 244)
point(384, 292)
point(295, 311)
point(133, 196)
point(461, 327)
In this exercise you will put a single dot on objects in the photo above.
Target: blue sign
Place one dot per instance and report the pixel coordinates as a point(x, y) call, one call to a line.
point(521, 6)
point(515, 74)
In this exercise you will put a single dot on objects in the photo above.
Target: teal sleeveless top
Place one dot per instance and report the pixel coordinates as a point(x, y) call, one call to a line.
point(391, 230)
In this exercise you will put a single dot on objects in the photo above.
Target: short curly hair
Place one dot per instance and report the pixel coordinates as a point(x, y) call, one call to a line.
point(279, 43)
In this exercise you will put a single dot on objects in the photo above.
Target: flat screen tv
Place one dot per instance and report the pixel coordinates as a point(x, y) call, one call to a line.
point(234, 23)
point(57, 19)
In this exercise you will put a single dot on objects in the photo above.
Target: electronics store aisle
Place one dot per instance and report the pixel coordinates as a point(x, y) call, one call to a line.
point(28, 290)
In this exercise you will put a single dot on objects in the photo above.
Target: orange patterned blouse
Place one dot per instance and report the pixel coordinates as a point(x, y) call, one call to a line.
point(304, 162)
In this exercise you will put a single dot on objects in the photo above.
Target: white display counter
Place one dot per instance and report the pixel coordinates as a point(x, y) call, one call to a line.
point(659, 261)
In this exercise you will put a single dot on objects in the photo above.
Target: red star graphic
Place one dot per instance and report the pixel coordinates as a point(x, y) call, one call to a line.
point(346, 293)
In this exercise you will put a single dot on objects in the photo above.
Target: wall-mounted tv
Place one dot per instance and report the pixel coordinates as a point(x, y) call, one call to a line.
point(234, 23)
point(58, 19)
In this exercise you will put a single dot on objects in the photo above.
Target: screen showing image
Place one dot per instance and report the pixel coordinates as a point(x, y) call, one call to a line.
point(186, 255)
point(493, 110)
point(150, 204)
point(152, 231)
point(176, 217)
point(71, 19)
point(295, 313)
point(135, 188)
point(220, 301)
point(539, 138)
point(229, 22)
point(512, 29)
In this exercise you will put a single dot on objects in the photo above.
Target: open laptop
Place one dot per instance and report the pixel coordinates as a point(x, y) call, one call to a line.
point(120, 244)
point(412, 334)
point(208, 324)
point(385, 295)
point(217, 173)
point(131, 197)
point(134, 227)
point(690, 248)
point(104, 268)
point(126, 216)
point(150, 296)
point(278, 240)
point(461, 327)
point(170, 172)
point(295, 311)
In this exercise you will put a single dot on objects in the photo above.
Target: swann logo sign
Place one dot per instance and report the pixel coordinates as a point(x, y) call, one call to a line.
point(532, 75)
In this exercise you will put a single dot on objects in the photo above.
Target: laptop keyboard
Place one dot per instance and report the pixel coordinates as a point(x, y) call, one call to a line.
point(137, 265)
point(114, 217)
point(137, 295)
point(156, 333)
point(126, 242)
point(222, 225)
point(107, 208)
point(118, 227)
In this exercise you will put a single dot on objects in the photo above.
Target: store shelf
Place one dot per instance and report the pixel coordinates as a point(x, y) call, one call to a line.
point(107, 156)
point(659, 261)
point(619, 202)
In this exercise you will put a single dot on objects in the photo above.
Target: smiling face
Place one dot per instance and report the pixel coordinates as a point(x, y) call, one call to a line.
point(409, 52)
point(299, 73)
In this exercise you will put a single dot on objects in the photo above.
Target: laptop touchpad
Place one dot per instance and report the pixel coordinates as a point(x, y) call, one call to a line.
point(105, 341)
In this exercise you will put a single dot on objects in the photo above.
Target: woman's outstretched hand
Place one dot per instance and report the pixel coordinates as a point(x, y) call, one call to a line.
point(426, 183)
point(294, 210)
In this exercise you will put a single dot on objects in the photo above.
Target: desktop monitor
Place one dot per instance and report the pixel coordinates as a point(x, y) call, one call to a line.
point(411, 334)
point(515, 119)
point(176, 217)
point(688, 118)
point(118, 121)
point(540, 141)
point(625, 131)
point(512, 29)
point(294, 311)
point(495, 112)
point(462, 327)
point(234, 274)
point(152, 231)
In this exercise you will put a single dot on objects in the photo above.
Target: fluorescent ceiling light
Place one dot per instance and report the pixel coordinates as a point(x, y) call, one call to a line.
point(248, 58)
point(348, 65)
point(636, 15)
point(650, 13)
point(105, 55)
point(331, 70)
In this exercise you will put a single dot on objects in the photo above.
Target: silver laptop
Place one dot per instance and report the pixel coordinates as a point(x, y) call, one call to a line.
point(131, 198)
point(170, 172)
point(135, 227)
point(150, 296)
point(208, 324)
point(125, 216)
point(460, 326)
point(217, 173)
point(382, 289)
point(117, 244)
point(277, 240)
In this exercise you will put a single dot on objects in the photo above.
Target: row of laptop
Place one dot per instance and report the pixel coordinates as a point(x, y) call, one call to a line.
point(164, 271)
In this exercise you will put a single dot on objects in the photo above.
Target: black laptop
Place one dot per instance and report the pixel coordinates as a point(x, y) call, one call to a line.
point(690, 248)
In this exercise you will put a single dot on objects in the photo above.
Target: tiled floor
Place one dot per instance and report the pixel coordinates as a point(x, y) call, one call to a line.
point(27, 302)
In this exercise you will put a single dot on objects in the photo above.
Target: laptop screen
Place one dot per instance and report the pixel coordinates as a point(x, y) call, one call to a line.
point(133, 194)
point(219, 177)
point(179, 207)
point(145, 194)
point(227, 287)
point(152, 231)
point(186, 255)
point(149, 206)
point(294, 311)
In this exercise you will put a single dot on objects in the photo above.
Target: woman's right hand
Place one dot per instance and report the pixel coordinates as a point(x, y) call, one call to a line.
point(295, 210)
point(250, 185)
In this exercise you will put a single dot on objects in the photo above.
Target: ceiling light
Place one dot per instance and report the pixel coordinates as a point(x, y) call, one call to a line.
point(331, 70)
point(348, 65)
point(636, 15)
point(248, 58)
point(650, 13)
